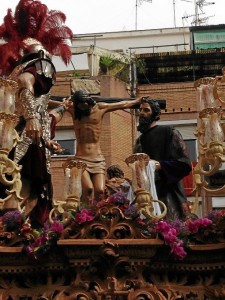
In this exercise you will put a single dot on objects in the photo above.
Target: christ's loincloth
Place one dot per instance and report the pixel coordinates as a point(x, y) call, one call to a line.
point(94, 166)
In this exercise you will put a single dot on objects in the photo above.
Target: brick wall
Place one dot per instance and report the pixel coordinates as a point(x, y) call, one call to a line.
point(180, 97)
point(116, 138)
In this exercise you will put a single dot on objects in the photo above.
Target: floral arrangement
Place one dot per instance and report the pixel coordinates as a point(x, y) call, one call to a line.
point(177, 235)
point(36, 242)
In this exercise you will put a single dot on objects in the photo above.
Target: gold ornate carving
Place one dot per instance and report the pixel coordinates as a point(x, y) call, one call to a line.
point(109, 222)
point(73, 170)
point(141, 186)
point(9, 169)
point(209, 134)
point(144, 204)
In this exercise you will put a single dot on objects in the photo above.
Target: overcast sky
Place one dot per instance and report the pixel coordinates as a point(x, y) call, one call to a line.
point(92, 16)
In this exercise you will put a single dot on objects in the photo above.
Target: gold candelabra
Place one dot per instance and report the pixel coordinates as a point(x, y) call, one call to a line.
point(9, 170)
point(141, 186)
point(73, 170)
point(209, 132)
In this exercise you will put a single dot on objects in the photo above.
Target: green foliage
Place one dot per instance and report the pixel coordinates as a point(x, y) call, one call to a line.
point(140, 65)
point(109, 65)
point(76, 73)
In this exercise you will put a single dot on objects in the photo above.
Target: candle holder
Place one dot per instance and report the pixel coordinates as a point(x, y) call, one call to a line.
point(141, 186)
point(209, 133)
point(9, 170)
point(73, 170)
point(73, 189)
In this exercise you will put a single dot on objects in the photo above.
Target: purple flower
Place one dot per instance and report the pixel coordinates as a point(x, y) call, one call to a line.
point(131, 211)
point(215, 215)
point(30, 251)
point(179, 225)
point(12, 220)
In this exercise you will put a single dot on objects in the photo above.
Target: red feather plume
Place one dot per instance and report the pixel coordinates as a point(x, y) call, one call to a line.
point(32, 19)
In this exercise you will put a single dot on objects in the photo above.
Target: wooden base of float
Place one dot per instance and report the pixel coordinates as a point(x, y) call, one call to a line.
point(113, 269)
point(112, 257)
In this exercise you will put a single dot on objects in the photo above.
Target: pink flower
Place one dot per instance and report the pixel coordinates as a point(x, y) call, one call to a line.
point(204, 222)
point(84, 216)
point(163, 227)
point(178, 249)
point(170, 236)
point(56, 227)
point(195, 225)
point(40, 241)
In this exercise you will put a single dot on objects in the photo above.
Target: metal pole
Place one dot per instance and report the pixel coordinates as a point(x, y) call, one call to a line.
point(196, 13)
point(174, 13)
point(136, 7)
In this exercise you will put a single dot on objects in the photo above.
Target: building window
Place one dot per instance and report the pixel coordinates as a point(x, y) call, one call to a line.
point(69, 146)
point(191, 145)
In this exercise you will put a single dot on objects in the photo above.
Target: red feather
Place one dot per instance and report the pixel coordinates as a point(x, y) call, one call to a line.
point(32, 19)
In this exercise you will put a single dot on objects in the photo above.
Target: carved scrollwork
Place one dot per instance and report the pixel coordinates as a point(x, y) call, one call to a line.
point(10, 239)
point(150, 293)
point(144, 204)
point(10, 177)
point(109, 222)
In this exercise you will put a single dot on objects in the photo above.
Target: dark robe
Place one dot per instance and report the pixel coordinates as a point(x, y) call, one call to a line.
point(166, 145)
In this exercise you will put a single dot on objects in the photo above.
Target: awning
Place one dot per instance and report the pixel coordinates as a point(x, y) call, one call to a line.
point(209, 39)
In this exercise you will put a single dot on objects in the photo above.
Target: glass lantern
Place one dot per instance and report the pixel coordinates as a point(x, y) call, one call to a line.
point(73, 188)
point(205, 96)
point(213, 129)
point(138, 162)
point(8, 119)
